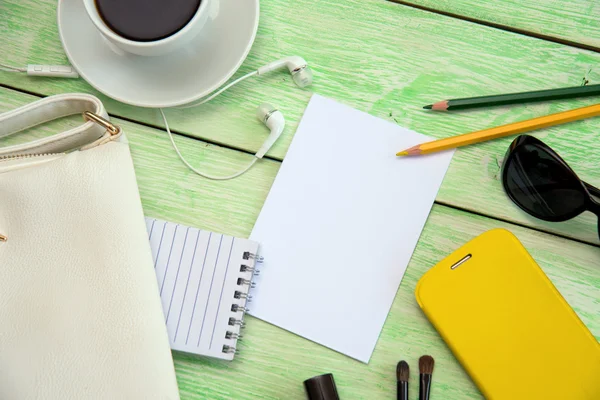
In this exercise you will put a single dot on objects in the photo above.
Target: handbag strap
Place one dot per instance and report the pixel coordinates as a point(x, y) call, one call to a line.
point(51, 108)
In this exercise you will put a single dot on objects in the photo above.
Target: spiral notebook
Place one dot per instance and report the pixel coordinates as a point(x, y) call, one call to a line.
point(204, 279)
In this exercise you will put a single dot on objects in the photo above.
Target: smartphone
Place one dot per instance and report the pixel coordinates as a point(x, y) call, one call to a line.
point(508, 325)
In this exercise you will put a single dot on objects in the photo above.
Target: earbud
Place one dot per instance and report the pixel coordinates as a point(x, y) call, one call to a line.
point(298, 67)
point(266, 113)
point(274, 120)
point(302, 76)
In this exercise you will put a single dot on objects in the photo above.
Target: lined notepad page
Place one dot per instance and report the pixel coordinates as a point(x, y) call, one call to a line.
point(198, 274)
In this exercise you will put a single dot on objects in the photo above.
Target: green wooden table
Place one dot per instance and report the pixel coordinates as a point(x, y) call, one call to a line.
point(388, 60)
point(573, 22)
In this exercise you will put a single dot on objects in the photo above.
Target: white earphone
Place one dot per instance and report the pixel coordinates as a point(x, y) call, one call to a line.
point(274, 120)
point(271, 117)
point(267, 114)
point(301, 73)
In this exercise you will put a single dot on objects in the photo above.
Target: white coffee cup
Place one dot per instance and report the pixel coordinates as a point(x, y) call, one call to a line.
point(156, 47)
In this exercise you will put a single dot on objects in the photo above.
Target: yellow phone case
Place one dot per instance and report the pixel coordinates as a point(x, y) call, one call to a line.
point(507, 324)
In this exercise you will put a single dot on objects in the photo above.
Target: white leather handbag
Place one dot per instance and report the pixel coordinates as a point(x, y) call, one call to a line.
point(80, 311)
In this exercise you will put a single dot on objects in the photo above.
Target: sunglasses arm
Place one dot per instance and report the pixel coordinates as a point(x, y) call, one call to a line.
point(594, 191)
point(595, 206)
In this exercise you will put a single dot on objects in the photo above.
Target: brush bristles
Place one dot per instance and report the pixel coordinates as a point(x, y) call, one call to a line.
point(402, 371)
point(426, 365)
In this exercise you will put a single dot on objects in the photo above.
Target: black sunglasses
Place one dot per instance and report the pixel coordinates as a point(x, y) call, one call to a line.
point(543, 185)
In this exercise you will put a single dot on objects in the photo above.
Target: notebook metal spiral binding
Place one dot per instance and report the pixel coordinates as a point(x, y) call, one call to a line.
point(253, 256)
point(246, 282)
point(246, 268)
point(240, 295)
point(233, 335)
point(253, 270)
point(238, 322)
point(228, 349)
point(238, 308)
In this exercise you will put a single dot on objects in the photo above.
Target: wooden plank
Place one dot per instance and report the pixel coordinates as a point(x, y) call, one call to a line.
point(396, 60)
point(272, 363)
point(575, 22)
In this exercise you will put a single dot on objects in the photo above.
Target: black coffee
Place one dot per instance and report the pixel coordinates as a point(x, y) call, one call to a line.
point(146, 20)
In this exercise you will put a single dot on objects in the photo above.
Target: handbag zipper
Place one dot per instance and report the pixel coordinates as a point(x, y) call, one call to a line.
point(25, 156)
point(112, 129)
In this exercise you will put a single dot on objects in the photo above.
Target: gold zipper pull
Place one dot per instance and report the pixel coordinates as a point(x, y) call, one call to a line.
point(3, 238)
point(111, 128)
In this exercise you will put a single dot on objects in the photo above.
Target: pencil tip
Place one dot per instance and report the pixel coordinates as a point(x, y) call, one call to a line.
point(440, 106)
point(428, 107)
point(412, 151)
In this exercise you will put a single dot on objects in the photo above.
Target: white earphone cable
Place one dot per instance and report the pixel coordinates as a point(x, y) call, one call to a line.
point(215, 94)
point(203, 101)
point(10, 68)
point(56, 71)
point(213, 177)
point(296, 65)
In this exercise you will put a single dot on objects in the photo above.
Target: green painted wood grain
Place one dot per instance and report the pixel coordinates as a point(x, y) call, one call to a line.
point(378, 57)
point(272, 363)
point(574, 20)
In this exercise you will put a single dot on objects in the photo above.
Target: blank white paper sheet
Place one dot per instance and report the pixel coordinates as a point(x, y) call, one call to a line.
point(340, 225)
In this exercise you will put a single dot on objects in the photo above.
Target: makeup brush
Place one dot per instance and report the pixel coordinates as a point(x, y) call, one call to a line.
point(425, 370)
point(402, 373)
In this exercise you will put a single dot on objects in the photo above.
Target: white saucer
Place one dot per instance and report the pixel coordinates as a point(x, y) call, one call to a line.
point(163, 81)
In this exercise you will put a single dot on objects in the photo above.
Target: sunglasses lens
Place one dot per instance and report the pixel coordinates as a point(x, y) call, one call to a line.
point(542, 185)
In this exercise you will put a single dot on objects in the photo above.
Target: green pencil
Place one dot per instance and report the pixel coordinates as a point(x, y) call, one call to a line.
point(515, 98)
